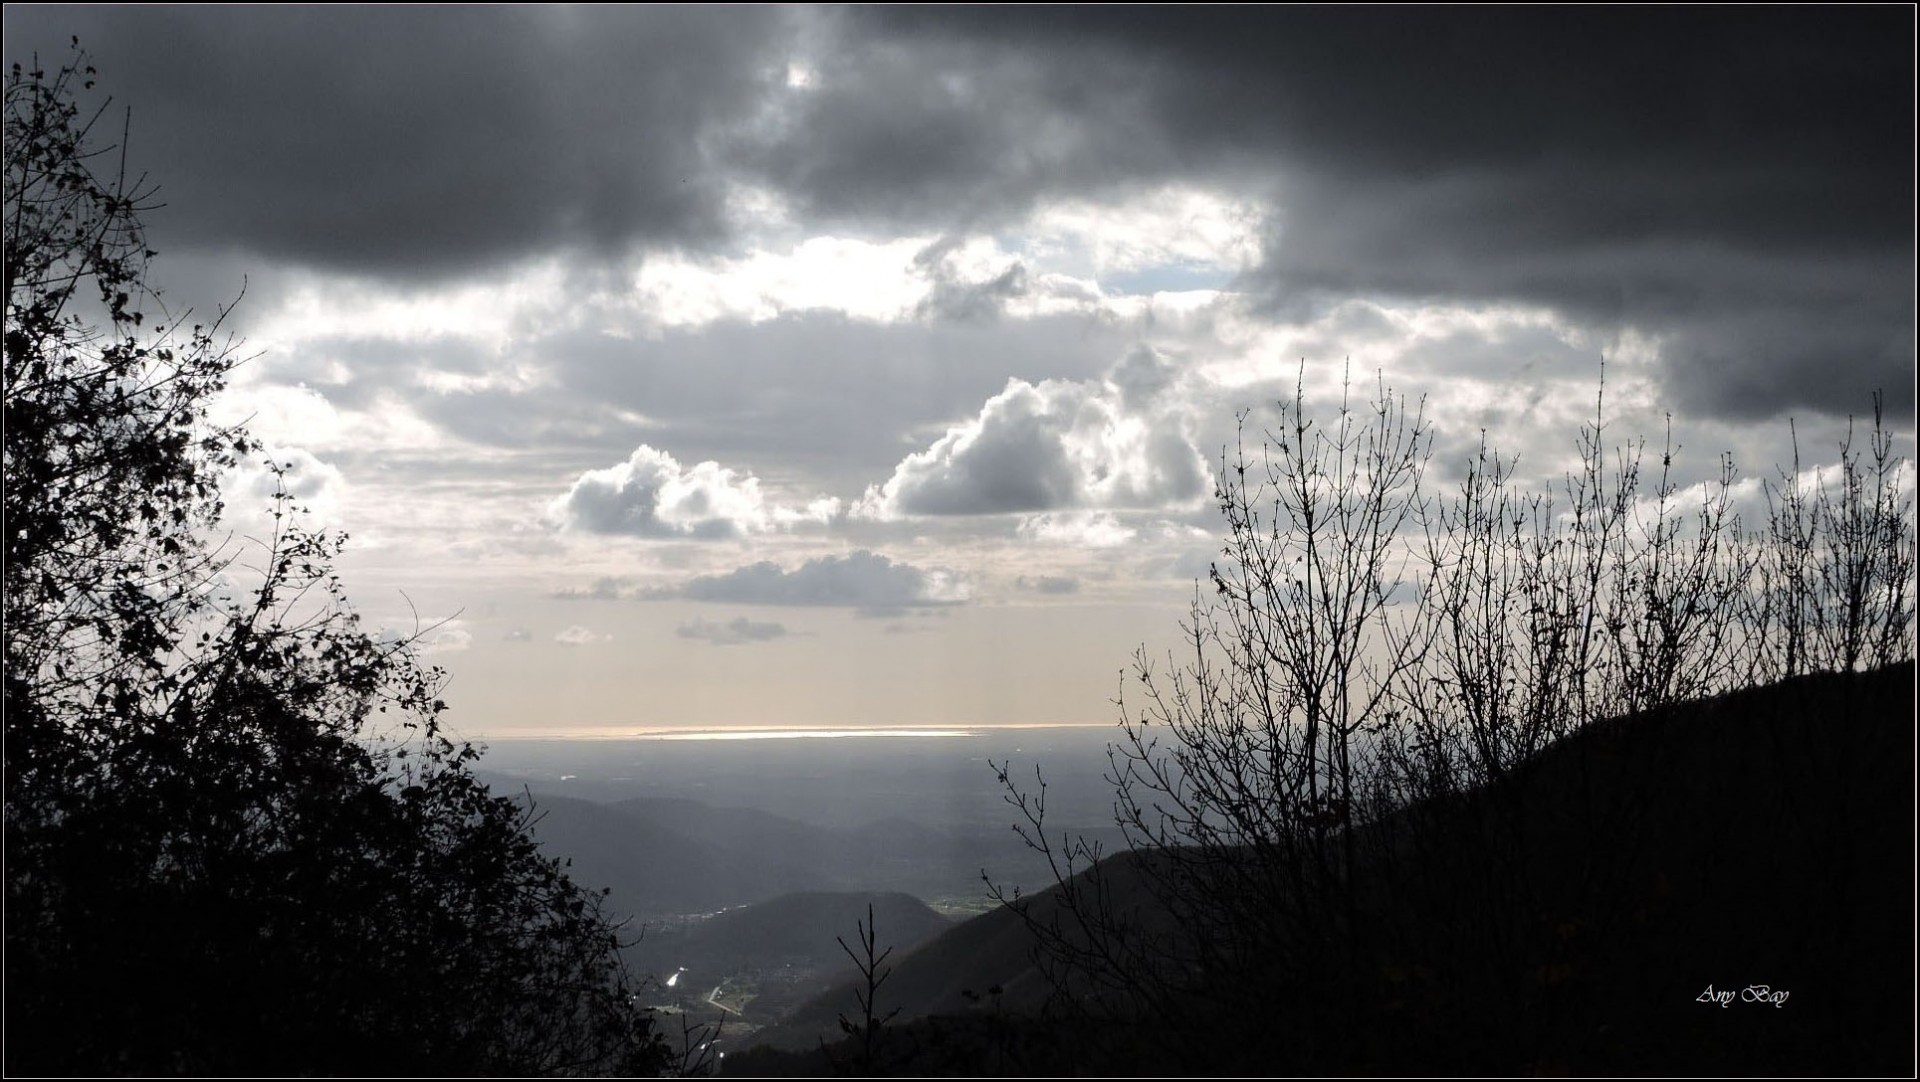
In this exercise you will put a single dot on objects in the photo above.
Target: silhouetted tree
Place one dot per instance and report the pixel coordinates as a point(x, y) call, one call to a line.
point(1364, 657)
point(869, 1030)
point(237, 841)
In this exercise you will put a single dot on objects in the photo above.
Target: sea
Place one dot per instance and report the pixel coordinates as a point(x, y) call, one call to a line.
point(947, 776)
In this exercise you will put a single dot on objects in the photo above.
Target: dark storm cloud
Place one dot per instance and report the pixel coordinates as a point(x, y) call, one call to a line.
point(1748, 326)
point(905, 125)
point(1432, 92)
point(1736, 181)
point(862, 580)
point(408, 141)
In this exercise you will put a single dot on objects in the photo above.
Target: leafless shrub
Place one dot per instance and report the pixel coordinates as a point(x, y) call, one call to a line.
point(1365, 651)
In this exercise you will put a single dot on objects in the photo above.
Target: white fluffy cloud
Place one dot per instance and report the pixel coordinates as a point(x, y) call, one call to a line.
point(251, 488)
point(1116, 444)
point(450, 639)
point(575, 635)
point(1081, 529)
point(652, 495)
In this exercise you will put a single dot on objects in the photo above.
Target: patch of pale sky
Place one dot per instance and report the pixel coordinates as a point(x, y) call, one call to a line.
point(758, 211)
point(1077, 529)
point(283, 413)
point(865, 280)
point(1066, 246)
point(449, 638)
point(877, 281)
point(1171, 226)
point(1431, 321)
point(512, 378)
point(1165, 311)
point(395, 428)
point(319, 306)
point(1054, 294)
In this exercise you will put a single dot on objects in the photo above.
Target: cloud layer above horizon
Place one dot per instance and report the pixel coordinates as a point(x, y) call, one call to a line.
point(906, 312)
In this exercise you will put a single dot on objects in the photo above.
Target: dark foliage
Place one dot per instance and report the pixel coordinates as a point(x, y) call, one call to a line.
point(1762, 837)
point(236, 840)
point(1382, 804)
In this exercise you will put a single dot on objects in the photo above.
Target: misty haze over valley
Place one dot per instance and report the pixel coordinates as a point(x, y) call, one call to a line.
point(920, 814)
point(691, 834)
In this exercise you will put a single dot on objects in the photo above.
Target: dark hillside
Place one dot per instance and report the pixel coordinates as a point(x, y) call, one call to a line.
point(1568, 919)
point(959, 971)
point(1765, 837)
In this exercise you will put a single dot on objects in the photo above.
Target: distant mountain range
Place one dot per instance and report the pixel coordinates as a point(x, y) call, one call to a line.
point(664, 856)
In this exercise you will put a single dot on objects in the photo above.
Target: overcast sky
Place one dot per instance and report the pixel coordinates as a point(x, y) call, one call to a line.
point(794, 366)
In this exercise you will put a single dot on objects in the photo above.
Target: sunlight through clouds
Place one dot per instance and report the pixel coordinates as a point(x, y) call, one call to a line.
point(765, 287)
point(863, 279)
point(1170, 230)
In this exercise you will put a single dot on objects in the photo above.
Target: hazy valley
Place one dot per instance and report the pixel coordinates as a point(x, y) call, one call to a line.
point(740, 863)
point(1763, 832)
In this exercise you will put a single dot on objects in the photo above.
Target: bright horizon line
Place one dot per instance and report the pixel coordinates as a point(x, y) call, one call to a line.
point(773, 732)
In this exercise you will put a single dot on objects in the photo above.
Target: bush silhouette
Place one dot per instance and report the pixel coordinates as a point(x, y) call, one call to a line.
point(237, 841)
point(1336, 796)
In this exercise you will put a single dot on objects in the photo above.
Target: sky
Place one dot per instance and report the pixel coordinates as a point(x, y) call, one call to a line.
point(817, 367)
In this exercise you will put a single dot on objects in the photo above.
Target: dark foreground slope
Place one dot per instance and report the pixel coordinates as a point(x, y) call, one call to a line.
point(984, 966)
point(1726, 888)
